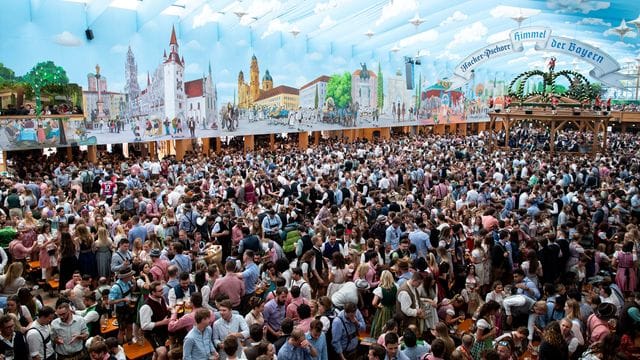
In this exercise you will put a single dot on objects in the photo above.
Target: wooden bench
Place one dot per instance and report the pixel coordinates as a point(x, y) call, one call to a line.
point(136, 351)
point(33, 270)
point(53, 286)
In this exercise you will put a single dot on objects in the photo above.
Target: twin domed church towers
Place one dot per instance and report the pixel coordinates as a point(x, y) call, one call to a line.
point(249, 93)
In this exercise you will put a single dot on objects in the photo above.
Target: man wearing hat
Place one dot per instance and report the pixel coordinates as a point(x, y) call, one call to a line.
point(120, 296)
point(159, 266)
point(600, 323)
point(154, 319)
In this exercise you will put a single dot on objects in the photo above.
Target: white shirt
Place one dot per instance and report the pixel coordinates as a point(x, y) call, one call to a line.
point(34, 340)
point(305, 289)
point(145, 317)
point(172, 296)
point(89, 316)
point(348, 292)
point(405, 302)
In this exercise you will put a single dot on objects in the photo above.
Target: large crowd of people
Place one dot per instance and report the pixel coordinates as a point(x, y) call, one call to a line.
point(418, 247)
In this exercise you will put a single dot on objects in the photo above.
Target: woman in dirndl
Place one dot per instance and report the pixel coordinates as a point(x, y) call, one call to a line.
point(485, 327)
point(384, 299)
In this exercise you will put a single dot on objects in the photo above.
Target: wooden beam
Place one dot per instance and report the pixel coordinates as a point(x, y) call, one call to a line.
point(92, 154)
point(248, 143)
point(303, 140)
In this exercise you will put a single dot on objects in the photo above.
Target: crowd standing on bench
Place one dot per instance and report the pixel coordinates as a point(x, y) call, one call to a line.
point(418, 247)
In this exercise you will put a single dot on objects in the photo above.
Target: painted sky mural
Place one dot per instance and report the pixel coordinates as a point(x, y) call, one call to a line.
point(171, 69)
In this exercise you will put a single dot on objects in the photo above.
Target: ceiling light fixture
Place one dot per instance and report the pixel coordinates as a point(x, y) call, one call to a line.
point(417, 21)
point(622, 29)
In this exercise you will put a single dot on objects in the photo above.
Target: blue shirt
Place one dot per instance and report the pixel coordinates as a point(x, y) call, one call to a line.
point(399, 356)
point(345, 333)
point(222, 328)
point(421, 240)
point(138, 231)
point(320, 345)
point(533, 291)
point(118, 291)
point(183, 262)
point(416, 352)
point(290, 352)
point(392, 236)
point(250, 276)
point(198, 345)
point(273, 314)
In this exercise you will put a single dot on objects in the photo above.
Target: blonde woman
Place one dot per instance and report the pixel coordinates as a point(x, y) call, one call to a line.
point(48, 248)
point(572, 312)
point(103, 246)
point(119, 235)
point(12, 280)
point(87, 258)
point(384, 299)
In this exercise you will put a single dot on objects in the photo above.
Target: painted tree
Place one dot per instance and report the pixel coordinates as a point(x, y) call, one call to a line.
point(6, 75)
point(380, 89)
point(42, 75)
point(339, 89)
point(597, 89)
point(316, 99)
point(7, 79)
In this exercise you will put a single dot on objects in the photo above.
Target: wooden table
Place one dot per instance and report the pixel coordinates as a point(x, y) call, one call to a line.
point(528, 355)
point(109, 328)
point(464, 326)
point(136, 351)
point(365, 338)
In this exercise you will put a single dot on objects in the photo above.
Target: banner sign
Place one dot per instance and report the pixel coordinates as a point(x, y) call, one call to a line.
point(605, 68)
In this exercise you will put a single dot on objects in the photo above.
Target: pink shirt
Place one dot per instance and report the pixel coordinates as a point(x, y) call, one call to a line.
point(272, 295)
point(305, 324)
point(187, 322)
point(370, 276)
point(597, 328)
point(159, 270)
point(489, 222)
point(292, 308)
point(18, 250)
point(231, 286)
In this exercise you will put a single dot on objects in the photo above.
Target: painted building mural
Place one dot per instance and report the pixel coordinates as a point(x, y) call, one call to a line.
point(159, 70)
point(169, 106)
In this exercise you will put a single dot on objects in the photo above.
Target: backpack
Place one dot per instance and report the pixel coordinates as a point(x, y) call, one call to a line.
point(329, 336)
point(291, 240)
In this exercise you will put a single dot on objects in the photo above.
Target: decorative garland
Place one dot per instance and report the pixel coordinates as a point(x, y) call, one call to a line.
point(579, 89)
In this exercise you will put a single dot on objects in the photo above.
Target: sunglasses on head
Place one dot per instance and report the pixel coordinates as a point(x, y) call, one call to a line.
point(504, 343)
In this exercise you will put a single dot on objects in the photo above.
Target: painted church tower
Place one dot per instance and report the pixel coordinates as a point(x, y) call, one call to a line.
point(254, 83)
point(173, 71)
point(131, 89)
point(267, 81)
point(210, 97)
